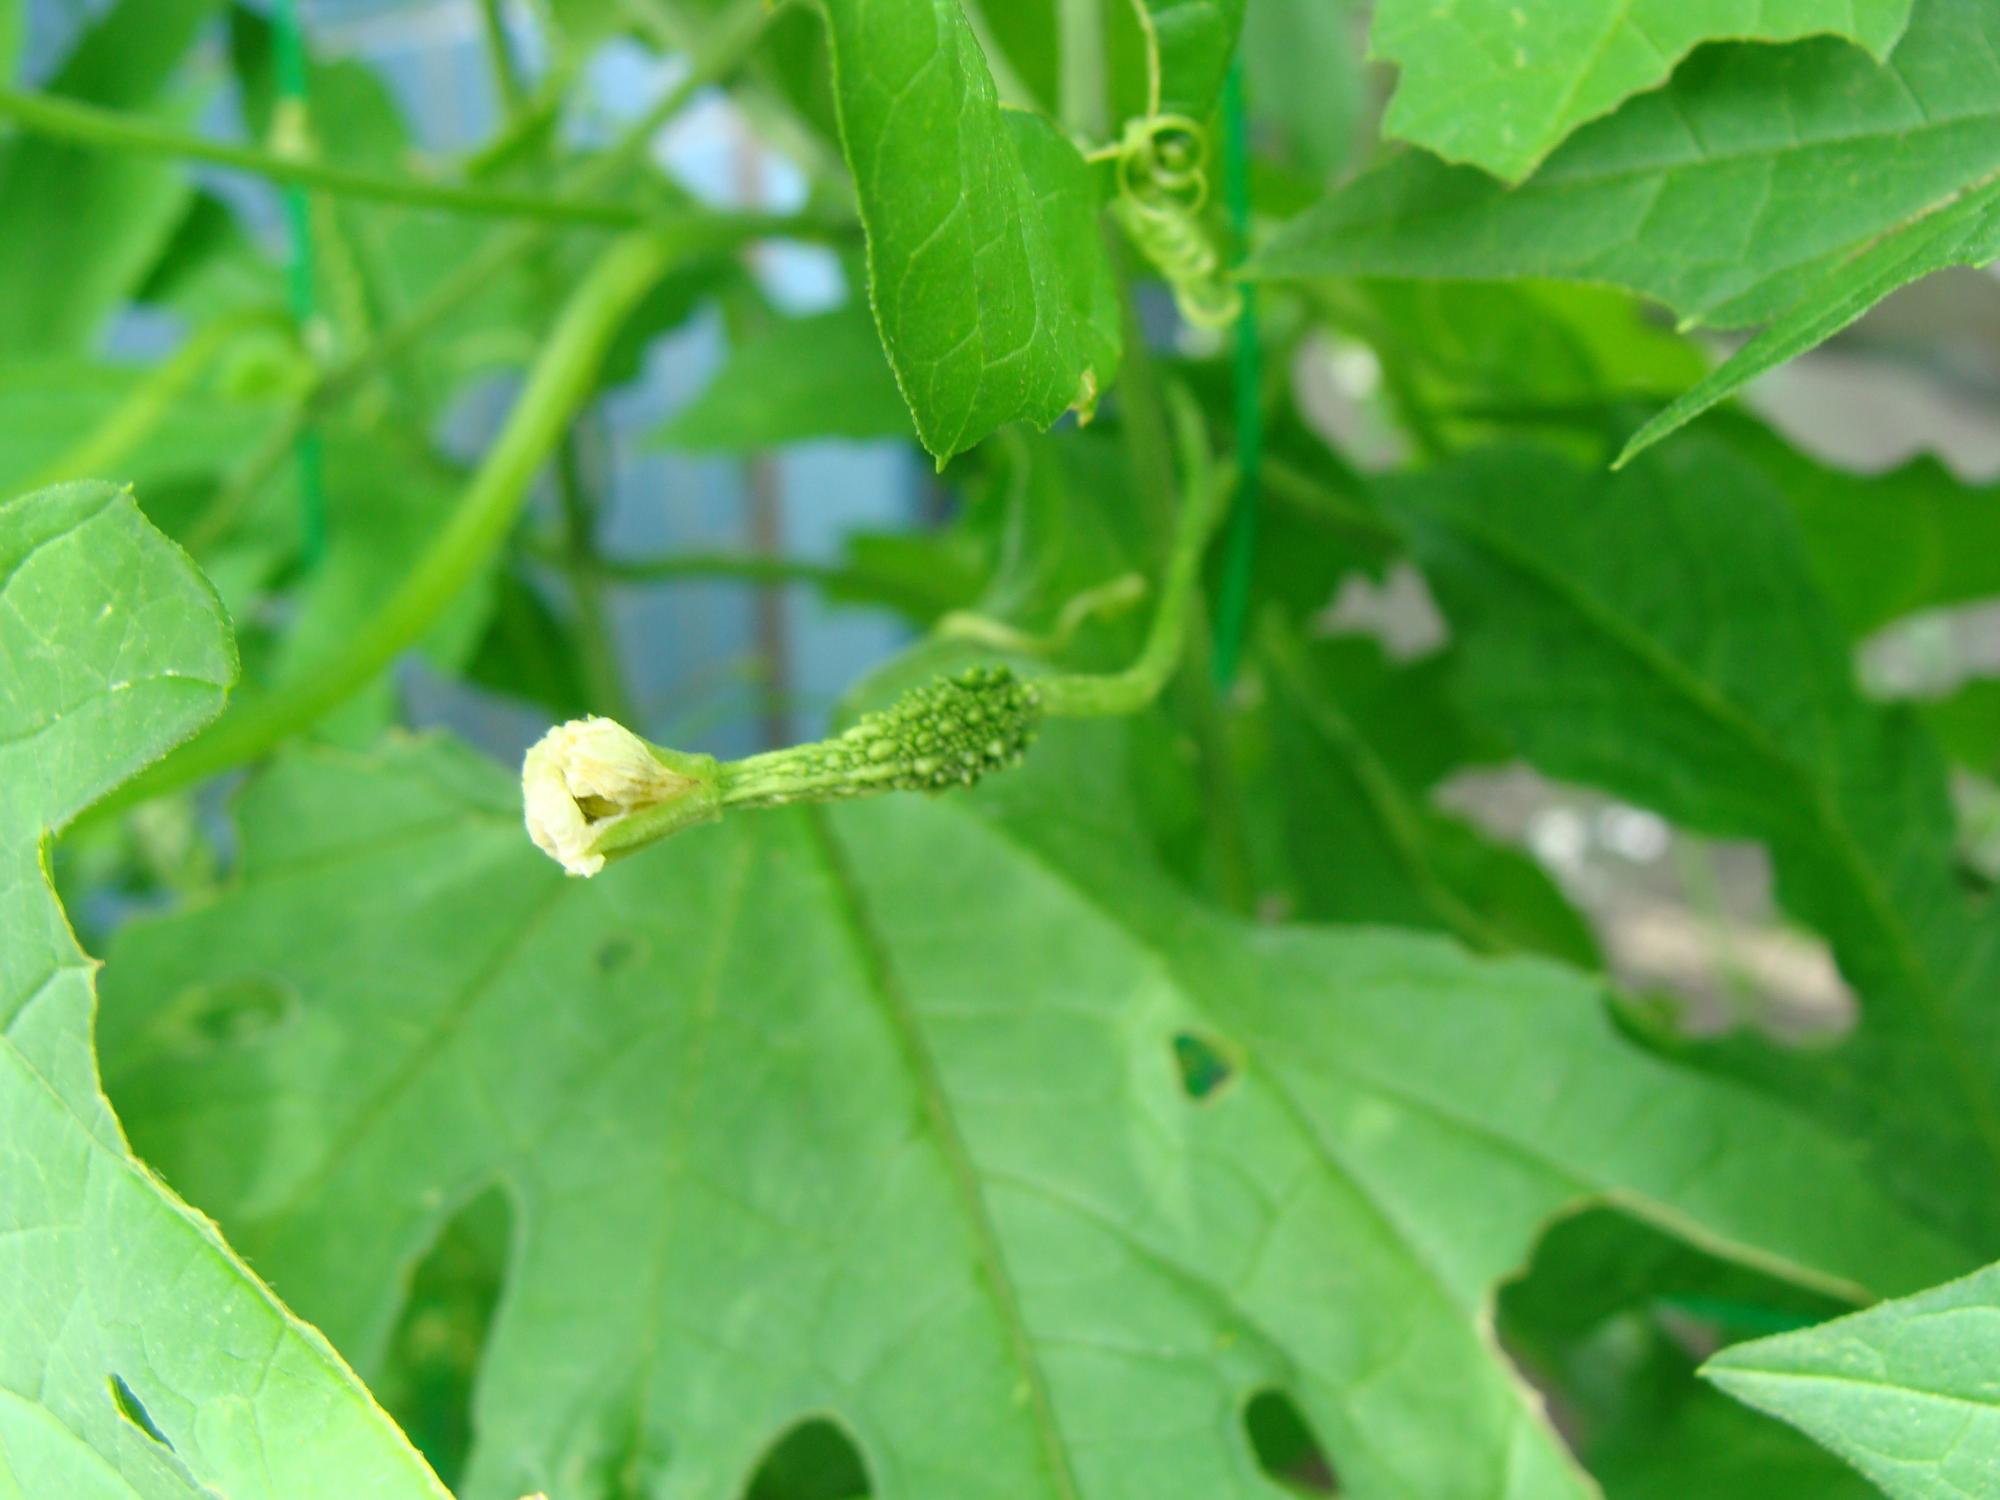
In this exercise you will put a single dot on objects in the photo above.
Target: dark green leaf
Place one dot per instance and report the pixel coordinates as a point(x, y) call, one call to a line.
point(977, 275)
point(1884, 545)
point(1660, 635)
point(1352, 741)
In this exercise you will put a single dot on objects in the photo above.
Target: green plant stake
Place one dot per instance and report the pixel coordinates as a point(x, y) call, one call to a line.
point(294, 133)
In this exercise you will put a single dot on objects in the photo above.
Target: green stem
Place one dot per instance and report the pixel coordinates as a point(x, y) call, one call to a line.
point(1106, 598)
point(89, 125)
point(294, 129)
point(500, 54)
point(1144, 425)
point(523, 133)
point(562, 379)
point(1203, 493)
point(740, 567)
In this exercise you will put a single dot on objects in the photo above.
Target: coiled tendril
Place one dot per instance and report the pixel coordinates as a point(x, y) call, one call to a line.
point(1162, 185)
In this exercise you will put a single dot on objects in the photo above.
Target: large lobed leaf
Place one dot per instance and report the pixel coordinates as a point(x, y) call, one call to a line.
point(119, 1306)
point(1499, 84)
point(1660, 635)
point(877, 1116)
point(985, 270)
point(1797, 184)
point(1906, 1392)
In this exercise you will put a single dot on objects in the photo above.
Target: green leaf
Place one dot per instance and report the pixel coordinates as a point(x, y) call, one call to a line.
point(1905, 1392)
point(1462, 361)
point(800, 378)
point(138, 1355)
point(1355, 748)
point(99, 217)
point(1962, 232)
point(1884, 545)
point(880, 1117)
point(983, 287)
point(1726, 195)
point(1499, 84)
point(1730, 195)
point(1523, 342)
point(1659, 634)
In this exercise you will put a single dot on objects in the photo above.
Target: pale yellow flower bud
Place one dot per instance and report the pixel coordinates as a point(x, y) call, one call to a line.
point(583, 778)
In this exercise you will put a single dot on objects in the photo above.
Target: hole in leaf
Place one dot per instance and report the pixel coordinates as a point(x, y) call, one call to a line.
point(814, 1460)
point(440, 1337)
point(1611, 1312)
point(1594, 1267)
point(133, 1410)
point(1286, 1449)
point(620, 951)
point(1203, 1068)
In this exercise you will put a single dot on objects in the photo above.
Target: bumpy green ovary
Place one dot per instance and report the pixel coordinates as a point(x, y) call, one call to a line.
point(949, 732)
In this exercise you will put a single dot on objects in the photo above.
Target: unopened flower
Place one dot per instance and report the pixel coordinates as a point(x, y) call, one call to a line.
point(585, 778)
